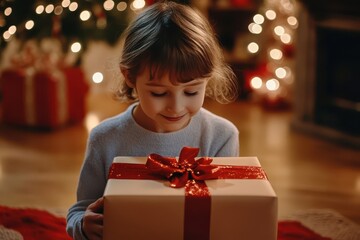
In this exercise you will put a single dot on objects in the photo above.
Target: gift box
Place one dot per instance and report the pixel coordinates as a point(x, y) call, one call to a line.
point(45, 99)
point(238, 203)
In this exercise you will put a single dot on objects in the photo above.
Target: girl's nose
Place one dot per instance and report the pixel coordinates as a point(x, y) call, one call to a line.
point(175, 105)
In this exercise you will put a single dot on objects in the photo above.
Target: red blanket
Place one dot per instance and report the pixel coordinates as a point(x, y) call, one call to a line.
point(34, 224)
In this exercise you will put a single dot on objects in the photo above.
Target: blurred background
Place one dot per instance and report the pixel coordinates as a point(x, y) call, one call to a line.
point(297, 64)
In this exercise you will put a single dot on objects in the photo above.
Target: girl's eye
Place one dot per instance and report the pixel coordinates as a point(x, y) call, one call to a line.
point(191, 93)
point(158, 94)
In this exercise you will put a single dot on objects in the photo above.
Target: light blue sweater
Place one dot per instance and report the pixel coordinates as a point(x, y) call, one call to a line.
point(122, 136)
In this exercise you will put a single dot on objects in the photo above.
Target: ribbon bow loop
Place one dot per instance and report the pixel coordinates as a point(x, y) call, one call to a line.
point(179, 172)
point(163, 166)
point(188, 155)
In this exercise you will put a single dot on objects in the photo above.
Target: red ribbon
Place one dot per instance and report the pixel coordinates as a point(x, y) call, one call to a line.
point(189, 173)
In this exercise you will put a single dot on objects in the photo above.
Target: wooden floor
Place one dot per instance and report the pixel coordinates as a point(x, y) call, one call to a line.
point(40, 169)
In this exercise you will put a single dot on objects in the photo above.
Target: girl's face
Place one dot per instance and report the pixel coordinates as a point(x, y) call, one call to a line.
point(165, 107)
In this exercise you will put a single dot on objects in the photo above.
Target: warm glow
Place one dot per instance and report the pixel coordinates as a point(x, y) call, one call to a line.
point(6, 35)
point(12, 29)
point(121, 6)
point(280, 72)
point(270, 14)
point(58, 10)
point(29, 24)
point(85, 15)
point(276, 54)
point(259, 19)
point(272, 84)
point(279, 30)
point(109, 5)
point(255, 28)
point(138, 4)
point(40, 9)
point(286, 38)
point(289, 78)
point(49, 8)
point(8, 11)
point(65, 3)
point(75, 47)
point(97, 77)
point(91, 121)
point(292, 21)
point(256, 82)
point(253, 47)
point(288, 71)
point(287, 5)
point(73, 6)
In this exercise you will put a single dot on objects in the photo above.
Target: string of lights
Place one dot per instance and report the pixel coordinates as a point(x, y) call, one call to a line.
point(275, 25)
point(67, 18)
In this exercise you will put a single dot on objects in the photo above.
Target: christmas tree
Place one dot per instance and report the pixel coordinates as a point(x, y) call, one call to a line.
point(68, 21)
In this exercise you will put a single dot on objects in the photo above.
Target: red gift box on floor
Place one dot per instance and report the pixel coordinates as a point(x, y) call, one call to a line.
point(43, 99)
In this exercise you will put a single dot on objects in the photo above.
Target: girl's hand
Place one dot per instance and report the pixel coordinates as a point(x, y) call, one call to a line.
point(92, 224)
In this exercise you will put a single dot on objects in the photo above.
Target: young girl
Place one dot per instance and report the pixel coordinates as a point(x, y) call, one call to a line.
point(170, 62)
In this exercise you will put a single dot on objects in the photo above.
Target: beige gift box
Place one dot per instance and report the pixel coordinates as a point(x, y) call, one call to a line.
point(149, 209)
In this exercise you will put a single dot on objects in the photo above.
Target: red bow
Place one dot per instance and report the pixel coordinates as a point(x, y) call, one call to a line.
point(186, 168)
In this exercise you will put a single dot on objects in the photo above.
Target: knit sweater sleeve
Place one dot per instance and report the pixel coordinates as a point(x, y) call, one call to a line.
point(91, 185)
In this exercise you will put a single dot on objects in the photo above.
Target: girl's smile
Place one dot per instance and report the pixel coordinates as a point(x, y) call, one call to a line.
point(173, 119)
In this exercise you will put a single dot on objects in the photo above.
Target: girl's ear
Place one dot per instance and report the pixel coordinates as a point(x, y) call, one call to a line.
point(126, 75)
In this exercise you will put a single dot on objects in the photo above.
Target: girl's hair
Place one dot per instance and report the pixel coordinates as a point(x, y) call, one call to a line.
point(173, 38)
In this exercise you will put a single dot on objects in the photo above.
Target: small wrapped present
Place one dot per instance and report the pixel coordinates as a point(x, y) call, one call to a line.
point(186, 198)
point(40, 89)
point(45, 99)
